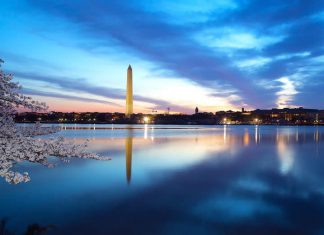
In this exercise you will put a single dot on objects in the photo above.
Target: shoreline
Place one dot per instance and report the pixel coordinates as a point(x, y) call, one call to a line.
point(194, 126)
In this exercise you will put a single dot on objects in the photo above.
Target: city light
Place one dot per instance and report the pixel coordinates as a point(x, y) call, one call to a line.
point(226, 121)
point(146, 119)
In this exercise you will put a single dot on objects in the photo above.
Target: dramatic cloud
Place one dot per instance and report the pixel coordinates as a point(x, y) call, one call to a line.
point(231, 45)
point(287, 92)
point(69, 97)
point(146, 34)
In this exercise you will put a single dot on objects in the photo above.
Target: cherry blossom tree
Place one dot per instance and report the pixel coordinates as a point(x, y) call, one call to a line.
point(19, 143)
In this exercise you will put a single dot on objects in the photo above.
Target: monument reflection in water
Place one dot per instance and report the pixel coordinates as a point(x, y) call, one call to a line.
point(128, 155)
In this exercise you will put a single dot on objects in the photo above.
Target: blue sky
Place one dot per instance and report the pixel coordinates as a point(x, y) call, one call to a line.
point(221, 54)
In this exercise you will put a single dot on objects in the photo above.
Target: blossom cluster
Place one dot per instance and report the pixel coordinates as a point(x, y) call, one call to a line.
point(19, 143)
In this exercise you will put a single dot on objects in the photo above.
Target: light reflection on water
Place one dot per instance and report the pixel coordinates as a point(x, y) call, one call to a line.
point(211, 180)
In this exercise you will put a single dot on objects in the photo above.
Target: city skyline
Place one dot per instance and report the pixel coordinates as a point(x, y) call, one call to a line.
point(221, 55)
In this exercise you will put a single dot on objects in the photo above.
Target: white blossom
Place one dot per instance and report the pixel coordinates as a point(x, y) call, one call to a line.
point(19, 143)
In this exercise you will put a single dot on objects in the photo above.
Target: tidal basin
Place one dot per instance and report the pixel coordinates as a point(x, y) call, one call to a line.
point(176, 180)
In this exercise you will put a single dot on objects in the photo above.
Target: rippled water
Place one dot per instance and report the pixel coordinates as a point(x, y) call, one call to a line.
point(183, 180)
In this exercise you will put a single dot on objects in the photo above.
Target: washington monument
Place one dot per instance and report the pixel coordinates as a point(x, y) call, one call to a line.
point(129, 92)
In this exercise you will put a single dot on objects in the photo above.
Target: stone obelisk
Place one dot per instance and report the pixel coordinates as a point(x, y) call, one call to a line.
point(129, 92)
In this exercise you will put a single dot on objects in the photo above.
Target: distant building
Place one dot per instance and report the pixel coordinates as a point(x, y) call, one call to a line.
point(196, 110)
point(129, 92)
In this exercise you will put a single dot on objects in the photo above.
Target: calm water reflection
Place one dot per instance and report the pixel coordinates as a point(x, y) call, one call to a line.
point(211, 180)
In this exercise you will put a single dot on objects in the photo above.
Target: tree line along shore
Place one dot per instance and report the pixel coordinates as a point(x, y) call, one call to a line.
point(286, 116)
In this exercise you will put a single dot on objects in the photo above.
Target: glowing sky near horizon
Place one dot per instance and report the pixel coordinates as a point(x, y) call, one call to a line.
point(217, 55)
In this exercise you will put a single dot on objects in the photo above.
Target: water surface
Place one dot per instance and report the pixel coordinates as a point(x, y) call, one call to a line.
point(178, 180)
